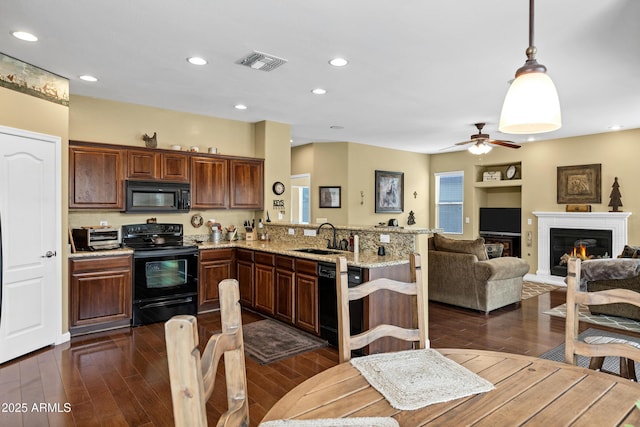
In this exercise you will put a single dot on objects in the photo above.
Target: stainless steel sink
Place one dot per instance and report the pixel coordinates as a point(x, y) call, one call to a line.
point(316, 251)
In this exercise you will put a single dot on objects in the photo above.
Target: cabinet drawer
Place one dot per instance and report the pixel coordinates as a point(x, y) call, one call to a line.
point(306, 267)
point(285, 263)
point(215, 254)
point(265, 258)
point(244, 255)
point(100, 263)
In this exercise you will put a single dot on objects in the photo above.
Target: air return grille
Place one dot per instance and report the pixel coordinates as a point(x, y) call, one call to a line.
point(261, 61)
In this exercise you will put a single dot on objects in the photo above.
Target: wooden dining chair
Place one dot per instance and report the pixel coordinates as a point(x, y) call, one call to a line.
point(418, 333)
point(193, 377)
point(597, 347)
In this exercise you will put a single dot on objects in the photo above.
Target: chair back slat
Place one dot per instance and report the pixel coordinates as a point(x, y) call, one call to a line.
point(193, 376)
point(415, 289)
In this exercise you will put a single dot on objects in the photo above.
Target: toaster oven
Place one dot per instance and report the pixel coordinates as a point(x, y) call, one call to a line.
point(96, 238)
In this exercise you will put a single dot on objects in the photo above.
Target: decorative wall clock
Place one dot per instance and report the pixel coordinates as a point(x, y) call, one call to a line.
point(278, 188)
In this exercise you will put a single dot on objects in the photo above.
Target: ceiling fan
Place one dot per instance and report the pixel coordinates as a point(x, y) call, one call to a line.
point(481, 140)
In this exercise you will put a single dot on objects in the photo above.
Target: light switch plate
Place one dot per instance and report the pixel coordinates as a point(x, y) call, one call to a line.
point(292, 231)
point(309, 232)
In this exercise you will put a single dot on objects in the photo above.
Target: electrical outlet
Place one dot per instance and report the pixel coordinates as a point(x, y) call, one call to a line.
point(466, 220)
point(292, 231)
point(529, 221)
point(104, 223)
point(385, 238)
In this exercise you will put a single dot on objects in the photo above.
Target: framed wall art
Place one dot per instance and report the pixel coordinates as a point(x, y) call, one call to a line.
point(330, 197)
point(579, 184)
point(389, 191)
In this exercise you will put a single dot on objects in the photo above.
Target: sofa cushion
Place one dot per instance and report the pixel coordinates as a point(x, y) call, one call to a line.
point(473, 247)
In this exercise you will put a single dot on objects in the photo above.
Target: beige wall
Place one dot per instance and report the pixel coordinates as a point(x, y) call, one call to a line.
point(37, 115)
point(616, 151)
point(352, 166)
point(98, 120)
point(273, 143)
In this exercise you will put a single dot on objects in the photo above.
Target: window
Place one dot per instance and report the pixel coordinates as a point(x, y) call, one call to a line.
point(449, 198)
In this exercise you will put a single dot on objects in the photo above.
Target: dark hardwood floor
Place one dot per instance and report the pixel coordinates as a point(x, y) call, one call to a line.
point(120, 378)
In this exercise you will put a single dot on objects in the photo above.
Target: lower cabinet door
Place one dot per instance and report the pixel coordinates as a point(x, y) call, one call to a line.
point(307, 303)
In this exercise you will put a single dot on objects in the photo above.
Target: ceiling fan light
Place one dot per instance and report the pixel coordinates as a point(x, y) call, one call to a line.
point(479, 148)
point(531, 105)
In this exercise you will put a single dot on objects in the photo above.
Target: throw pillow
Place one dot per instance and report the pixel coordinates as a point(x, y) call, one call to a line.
point(630, 252)
point(473, 247)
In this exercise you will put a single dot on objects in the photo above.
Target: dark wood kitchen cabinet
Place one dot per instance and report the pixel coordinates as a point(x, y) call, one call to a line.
point(264, 282)
point(209, 182)
point(306, 308)
point(99, 293)
point(244, 274)
point(95, 176)
point(154, 165)
point(285, 289)
point(246, 178)
point(215, 266)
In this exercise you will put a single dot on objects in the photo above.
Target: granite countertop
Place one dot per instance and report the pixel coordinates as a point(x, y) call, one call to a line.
point(106, 252)
point(364, 260)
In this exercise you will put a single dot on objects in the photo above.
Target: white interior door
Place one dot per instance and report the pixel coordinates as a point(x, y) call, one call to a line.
point(30, 316)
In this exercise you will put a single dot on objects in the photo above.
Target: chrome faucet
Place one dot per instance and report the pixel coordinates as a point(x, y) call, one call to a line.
point(330, 245)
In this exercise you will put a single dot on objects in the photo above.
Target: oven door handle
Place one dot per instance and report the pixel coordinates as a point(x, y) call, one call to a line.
point(166, 303)
point(158, 253)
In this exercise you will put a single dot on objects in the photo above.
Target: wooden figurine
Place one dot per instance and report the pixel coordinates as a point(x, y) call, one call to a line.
point(615, 198)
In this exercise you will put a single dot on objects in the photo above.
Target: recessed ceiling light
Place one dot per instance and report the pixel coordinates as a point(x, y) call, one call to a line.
point(531, 139)
point(196, 60)
point(615, 127)
point(338, 62)
point(22, 35)
point(240, 107)
point(319, 91)
point(88, 78)
point(336, 127)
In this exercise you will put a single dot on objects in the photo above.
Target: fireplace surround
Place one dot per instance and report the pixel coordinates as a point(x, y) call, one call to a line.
point(616, 222)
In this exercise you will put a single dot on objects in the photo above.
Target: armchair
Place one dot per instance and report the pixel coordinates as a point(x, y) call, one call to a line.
point(461, 274)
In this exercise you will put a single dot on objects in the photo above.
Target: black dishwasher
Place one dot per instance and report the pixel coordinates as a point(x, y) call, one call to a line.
point(328, 302)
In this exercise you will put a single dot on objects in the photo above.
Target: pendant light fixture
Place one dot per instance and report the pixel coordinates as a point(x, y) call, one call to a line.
point(531, 105)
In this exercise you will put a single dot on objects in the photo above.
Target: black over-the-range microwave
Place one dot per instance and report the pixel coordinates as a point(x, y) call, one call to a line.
point(157, 196)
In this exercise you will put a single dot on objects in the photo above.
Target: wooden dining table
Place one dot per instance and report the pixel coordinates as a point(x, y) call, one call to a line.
point(528, 391)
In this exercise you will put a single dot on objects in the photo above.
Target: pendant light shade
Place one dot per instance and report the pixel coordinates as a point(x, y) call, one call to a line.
point(531, 105)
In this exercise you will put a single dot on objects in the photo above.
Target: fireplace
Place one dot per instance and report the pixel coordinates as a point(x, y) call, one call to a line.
point(615, 222)
point(576, 242)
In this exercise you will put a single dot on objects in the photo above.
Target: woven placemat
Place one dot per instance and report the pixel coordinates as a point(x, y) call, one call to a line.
point(334, 422)
point(413, 379)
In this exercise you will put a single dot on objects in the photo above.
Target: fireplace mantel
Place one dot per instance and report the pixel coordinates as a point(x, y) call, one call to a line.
point(614, 221)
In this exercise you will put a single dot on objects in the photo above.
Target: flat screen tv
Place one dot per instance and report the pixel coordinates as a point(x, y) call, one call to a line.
point(501, 221)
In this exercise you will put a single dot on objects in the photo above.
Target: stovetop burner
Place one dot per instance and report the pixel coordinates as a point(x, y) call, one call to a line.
point(153, 236)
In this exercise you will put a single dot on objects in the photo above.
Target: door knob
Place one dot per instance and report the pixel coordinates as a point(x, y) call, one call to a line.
point(49, 254)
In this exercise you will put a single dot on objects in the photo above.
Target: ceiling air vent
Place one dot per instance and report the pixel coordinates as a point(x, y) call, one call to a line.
point(261, 61)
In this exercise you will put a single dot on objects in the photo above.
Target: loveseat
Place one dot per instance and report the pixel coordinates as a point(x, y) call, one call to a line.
point(461, 274)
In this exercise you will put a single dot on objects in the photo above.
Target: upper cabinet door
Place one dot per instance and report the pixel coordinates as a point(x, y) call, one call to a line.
point(142, 164)
point(95, 177)
point(247, 184)
point(209, 182)
point(175, 167)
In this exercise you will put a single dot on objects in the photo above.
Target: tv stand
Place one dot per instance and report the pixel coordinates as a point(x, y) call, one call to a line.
point(511, 243)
